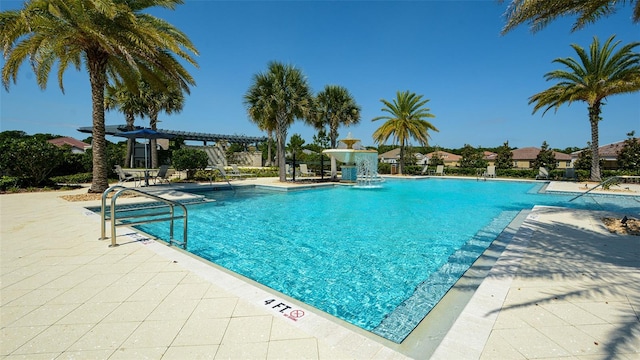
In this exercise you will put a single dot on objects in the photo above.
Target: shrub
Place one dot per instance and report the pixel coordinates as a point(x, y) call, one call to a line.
point(71, 163)
point(30, 158)
point(7, 183)
point(462, 171)
point(189, 160)
point(115, 156)
point(384, 168)
point(412, 169)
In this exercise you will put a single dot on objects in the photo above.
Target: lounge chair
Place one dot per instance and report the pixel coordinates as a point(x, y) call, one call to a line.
point(162, 175)
point(439, 170)
point(304, 171)
point(425, 170)
point(543, 173)
point(236, 172)
point(124, 177)
point(490, 172)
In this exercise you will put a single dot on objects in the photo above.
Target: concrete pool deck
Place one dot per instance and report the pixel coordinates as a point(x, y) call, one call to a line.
point(564, 287)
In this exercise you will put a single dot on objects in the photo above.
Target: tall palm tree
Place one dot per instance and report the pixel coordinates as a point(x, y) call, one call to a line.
point(599, 73)
point(334, 107)
point(539, 13)
point(117, 96)
point(169, 99)
point(406, 120)
point(111, 38)
point(280, 94)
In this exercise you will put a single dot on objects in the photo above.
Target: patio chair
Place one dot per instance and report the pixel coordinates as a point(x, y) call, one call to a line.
point(124, 177)
point(162, 175)
point(304, 171)
point(236, 172)
point(439, 170)
point(490, 172)
point(543, 173)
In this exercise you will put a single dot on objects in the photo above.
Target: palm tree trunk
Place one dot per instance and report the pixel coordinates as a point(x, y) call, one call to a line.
point(269, 156)
point(130, 142)
point(281, 138)
point(153, 123)
point(594, 118)
point(333, 137)
point(97, 65)
point(401, 165)
point(333, 134)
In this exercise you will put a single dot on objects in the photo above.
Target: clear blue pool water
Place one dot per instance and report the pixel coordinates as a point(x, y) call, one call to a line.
point(377, 258)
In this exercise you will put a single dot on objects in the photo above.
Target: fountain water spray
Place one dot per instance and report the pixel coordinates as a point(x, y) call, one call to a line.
point(360, 166)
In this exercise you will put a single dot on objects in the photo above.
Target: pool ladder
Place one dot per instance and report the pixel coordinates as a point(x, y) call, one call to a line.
point(167, 216)
point(220, 169)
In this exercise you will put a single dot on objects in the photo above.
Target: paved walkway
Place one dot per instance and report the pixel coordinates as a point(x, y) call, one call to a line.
point(564, 288)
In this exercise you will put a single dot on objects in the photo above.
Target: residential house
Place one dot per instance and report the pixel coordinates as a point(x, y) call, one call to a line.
point(77, 146)
point(490, 157)
point(393, 157)
point(525, 157)
point(608, 155)
point(451, 160)
point(390, 157)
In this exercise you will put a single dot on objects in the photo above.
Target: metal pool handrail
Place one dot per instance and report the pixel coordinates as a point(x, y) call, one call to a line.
point(606, 181)
point(123, 189)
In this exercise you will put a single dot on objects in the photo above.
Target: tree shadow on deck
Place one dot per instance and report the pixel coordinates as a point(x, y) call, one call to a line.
point(563, 263)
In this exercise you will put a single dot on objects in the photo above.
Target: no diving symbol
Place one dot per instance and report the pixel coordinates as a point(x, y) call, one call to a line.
point(296, 314)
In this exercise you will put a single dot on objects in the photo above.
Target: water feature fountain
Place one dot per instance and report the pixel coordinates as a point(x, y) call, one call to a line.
point(359, 166)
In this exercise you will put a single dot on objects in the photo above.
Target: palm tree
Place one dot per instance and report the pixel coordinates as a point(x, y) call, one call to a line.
point(539, 13)
point(170, 100)
point(406, 121)
point(281, 95)
point(111, 38)
point(118, 96)
point(334, 107)
point(599, 73)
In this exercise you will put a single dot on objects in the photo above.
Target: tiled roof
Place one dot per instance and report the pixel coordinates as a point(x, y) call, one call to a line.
point(69, 141)
point(391, 154)
point(446, 156)
point(530, 153)
point(186, 135)
point(561, 156)
point(488, 155)
point(609, 150)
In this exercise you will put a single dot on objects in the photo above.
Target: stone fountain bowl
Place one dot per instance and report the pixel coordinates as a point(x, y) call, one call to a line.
point(347, 156)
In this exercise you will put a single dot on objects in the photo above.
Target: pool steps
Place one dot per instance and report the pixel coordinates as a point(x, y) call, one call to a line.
point(137, 219)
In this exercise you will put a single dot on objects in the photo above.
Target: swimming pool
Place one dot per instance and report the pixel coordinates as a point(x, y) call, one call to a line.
point(377, 258)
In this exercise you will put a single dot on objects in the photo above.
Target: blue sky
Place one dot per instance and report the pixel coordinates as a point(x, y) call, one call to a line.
point(451, 52)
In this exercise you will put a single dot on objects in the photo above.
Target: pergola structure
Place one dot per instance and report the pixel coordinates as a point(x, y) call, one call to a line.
point(115, 130)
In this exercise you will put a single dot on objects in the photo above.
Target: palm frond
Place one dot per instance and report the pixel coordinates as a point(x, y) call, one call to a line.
point(539, 13)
